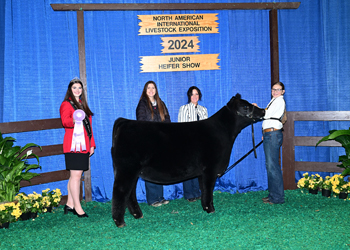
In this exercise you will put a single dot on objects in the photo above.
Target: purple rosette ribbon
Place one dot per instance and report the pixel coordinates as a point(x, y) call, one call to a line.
point(78, 139)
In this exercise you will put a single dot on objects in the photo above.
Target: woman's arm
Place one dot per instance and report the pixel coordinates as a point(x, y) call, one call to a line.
point(166, 114)
point(141, 111)
point(66, 112)
point(203, 113)
point(183, 116)
point(92, 141)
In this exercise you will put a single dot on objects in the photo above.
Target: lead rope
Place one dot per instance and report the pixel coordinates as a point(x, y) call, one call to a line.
point(253, 142)
point(242, 158)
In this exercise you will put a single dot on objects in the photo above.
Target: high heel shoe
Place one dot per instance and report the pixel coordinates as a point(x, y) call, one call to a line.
point(68, 209)
point(80, 215)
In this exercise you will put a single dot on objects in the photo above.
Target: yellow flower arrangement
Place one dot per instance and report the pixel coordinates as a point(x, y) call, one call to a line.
point(35, 200)
point(9, 212)
point(327, 184)
point(339, 185)
point(310, 182)
point(38, 203)
point(23, 202)
point(53, 197)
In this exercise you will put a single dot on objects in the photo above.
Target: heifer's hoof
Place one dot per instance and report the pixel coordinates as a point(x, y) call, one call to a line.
point(209, 210)
point(138, 216)
point(122, 224)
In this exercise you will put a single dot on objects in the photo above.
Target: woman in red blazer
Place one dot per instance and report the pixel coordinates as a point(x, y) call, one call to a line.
point(77, 159)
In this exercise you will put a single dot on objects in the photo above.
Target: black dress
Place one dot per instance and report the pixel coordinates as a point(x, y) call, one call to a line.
point(77, 161)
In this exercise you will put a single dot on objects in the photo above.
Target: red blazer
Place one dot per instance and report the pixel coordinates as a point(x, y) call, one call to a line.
point(66, 111)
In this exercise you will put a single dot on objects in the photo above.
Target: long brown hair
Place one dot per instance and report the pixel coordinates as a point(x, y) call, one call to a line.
point(161, 107)
point(70, 96)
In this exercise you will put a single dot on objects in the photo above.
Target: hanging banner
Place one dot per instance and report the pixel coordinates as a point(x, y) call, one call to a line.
point(180, 44)
point(179, 63)
point(178, 24)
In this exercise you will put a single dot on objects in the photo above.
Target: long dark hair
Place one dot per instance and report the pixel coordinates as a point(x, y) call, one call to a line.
point(70, 96)
point(161, 108)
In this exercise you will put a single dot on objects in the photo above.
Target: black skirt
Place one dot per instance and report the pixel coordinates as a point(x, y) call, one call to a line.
point(77, 161)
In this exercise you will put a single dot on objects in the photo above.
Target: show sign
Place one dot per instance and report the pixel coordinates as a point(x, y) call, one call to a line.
point(179, 63)
point(178, 24)
point(180, 44)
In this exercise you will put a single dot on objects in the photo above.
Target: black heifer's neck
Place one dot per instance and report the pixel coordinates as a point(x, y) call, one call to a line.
point(228, 120)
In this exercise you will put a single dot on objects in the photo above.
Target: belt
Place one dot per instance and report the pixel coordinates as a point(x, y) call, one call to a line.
point(270, 129)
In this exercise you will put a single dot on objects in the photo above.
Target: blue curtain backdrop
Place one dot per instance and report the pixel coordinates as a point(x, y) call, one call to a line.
point(39, 56)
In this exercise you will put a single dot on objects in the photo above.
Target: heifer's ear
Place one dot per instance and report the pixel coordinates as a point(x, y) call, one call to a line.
point(238, 96)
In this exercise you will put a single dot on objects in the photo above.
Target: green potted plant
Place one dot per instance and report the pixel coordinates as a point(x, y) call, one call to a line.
point(36, 204)
point(52, 198)
point(14, 167)
point(343, 137)
point(327, 187)
point(24, 205)
point(312, 183)
point(303, 182)
point(32, 204)
point(340, 187)
point(9, 212)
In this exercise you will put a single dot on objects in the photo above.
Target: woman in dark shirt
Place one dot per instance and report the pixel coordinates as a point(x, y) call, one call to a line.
point(152, 108)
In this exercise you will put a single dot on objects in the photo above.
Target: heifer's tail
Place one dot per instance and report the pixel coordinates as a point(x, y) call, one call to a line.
point(116, 126)
point(116, 131)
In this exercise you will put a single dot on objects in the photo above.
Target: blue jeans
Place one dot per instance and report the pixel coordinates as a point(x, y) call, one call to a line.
point(154, 192)
point(191, 189)
point(272, 144)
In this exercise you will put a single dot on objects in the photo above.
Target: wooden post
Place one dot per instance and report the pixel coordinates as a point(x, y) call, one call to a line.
point(288, 155)
point(274, 47)
point(82, 72)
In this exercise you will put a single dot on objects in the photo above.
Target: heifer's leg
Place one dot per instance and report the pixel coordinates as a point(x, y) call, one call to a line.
point(118, 205)
point(207, 186)
point(123, 185)
point(200, 181)
point(133, 205)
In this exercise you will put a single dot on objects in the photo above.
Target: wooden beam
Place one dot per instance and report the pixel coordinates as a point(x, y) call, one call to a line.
point(310, 166)
point(174, 6)
point(274, 58)
point(64, 199)
point(321, 116)
point(312, 140)
point(48, 177)
point(27, 126)
point(46, 150)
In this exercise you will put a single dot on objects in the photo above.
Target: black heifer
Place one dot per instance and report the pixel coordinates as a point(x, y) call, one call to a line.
point(168, 153)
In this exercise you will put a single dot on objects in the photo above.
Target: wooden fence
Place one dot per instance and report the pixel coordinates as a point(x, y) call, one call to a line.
point(60, 175)
point(289, 165)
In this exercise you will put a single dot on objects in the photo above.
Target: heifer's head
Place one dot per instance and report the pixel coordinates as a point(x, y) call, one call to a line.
point(245, 109)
